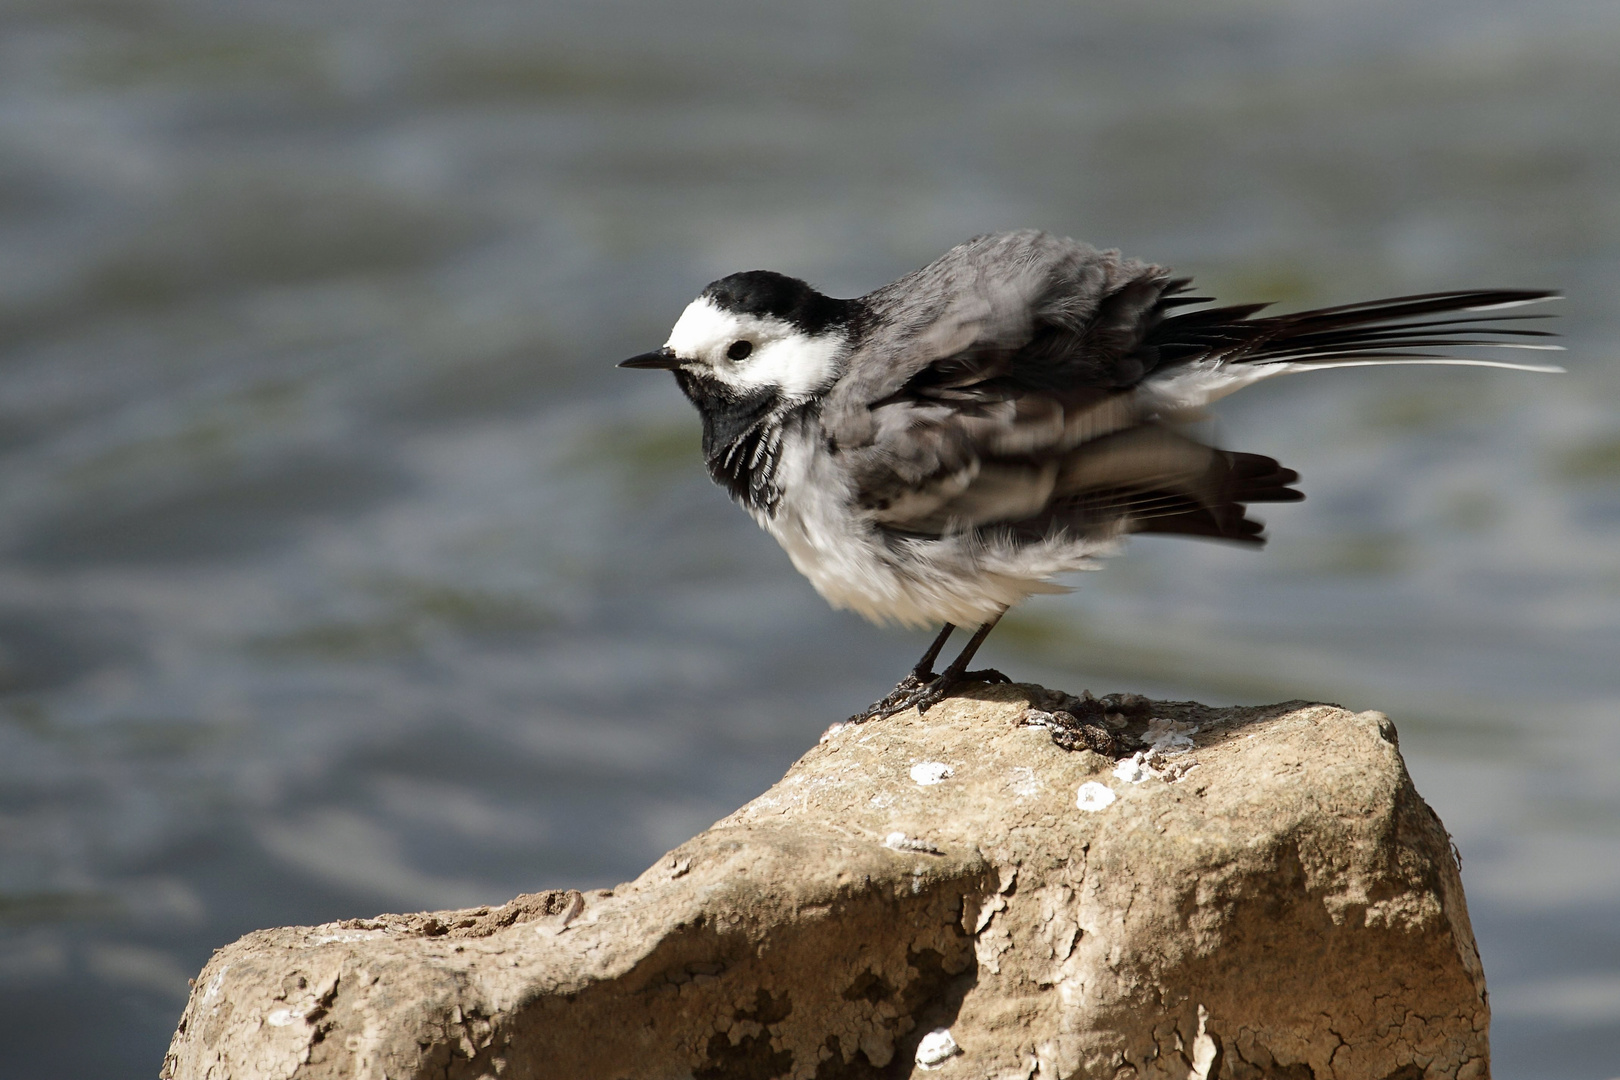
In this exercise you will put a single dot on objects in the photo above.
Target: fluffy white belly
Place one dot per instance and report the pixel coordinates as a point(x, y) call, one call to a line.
point(962, 579)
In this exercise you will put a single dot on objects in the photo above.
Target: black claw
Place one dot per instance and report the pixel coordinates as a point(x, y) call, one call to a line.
point(922, 690)
point(912, 692)
point(897, 700)
point(936, 692)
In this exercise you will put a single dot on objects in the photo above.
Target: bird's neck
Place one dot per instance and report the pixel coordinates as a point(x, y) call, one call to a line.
point(742, 437)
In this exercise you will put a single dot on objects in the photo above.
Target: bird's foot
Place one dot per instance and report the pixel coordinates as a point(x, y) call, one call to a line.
point(945, 685)
point(922, 691)
point(897, 700)
point(926, 697)
point(912, 692)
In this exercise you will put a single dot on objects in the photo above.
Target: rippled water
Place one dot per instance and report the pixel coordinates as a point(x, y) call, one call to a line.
point(340, 571)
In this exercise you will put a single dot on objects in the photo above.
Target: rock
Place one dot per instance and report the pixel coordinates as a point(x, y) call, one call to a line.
point(1261, 894)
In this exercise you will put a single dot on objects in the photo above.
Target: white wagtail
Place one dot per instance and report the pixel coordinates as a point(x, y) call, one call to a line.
point(942, 447)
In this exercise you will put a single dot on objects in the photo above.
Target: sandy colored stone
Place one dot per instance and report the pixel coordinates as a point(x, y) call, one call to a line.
point(1277, 902)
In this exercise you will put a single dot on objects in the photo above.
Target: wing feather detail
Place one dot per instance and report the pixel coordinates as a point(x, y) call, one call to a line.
point(1030, 384)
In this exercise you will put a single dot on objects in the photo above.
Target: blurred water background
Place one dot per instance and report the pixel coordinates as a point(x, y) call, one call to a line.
point(340, 571)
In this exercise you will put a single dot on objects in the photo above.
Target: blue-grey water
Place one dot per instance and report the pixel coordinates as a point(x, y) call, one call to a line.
point(341, 572)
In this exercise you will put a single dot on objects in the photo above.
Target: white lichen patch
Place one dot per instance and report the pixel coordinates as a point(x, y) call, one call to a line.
point(1154, 765)
point(936, 1048)
point(1170, 736)
point(927, 773)
point(1093, 796)
point(1134, 769)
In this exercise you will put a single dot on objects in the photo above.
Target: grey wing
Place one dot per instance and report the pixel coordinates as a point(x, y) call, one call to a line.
point(1052, 311)
point(1000, 396)
point(1034, 464)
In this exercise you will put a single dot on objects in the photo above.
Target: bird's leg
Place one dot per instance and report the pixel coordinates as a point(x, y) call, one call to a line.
point(922, 689)
point(921, 674)
point(957, 673)
point(924, 669)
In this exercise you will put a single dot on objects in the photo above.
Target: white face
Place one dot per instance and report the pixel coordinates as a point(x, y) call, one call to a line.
point(777, 355)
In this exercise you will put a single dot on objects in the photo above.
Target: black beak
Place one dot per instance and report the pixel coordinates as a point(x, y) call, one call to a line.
point(663, 359)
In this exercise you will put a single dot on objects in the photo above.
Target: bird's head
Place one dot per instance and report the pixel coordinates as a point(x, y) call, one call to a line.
point(755, 334)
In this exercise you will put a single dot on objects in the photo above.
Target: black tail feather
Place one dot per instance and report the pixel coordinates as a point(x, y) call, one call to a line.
point(1380, 329)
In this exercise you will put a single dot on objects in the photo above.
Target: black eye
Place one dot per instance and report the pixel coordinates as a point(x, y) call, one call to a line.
point(739, 350)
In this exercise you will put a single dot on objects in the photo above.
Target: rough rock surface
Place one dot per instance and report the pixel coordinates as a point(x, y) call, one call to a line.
point(1266, 896)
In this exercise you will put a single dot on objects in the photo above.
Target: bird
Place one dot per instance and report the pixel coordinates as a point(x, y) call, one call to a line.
point(945, 446)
